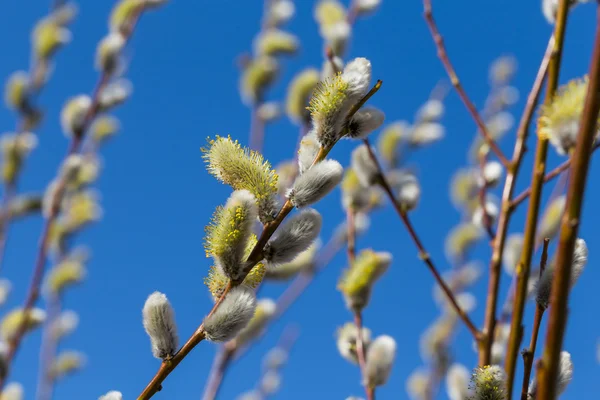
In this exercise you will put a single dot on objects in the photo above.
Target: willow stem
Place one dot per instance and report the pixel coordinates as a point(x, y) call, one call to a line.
point(524, 266)
point(218, 370)
point(529, 353)
point(485, 345)
point(557, 320)
point(423, 254)
point(443, 56)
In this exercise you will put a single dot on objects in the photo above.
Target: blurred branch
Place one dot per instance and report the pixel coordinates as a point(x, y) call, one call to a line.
point(423, 254)
point(588, 128)
point(548, 177)
point(74, 147)
point(524, 267)
point(443, 55)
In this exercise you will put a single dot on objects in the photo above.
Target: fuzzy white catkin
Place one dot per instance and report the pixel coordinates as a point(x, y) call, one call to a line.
point(365, 168)
point(457, 382)
point(544, 286)
point(295, 236)
point(365, 121)
point(309, 147)
point(357, 73)
point(315, 183)
point(565, 375)
point(13, 391)
point(409, 191)
point(512, 252)
point(432, 110)
point(363, 6)
point(112, 395)
point(492, 172)
point(491, 211)
point(427, 133)
point(380, 358)
point(159, 322)
point(232, 315)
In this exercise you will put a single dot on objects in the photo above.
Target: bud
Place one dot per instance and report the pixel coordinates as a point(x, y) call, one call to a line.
point(347, 337)
point(295, 236)
point(364, 166)
point(302, 262)
point(229, 231)
point(123, 13)
point(457, 382)
point(426, 133)
point(257, 76)
point(366, 6)
point(489, 383)
point(244, 169)
point(560, 119)
point(74, 113)
point(512, 252)
point(358, 279)
point(112, 395)
point(380, 358)
point(492, 172)
point(431, 111)
point(544, 286)
point(114, 94)
point(565, 376)
point(298, 95)
point(265, 309)
point(231, 316)
point(64, 324)
point(66, 363)
point(315, 183)
point(309, 148)
point(12, 391)
point(13, 320)
point(274, 42)
point(16, 92)
point(364, 122)
point(159, 323)
point(108, 53)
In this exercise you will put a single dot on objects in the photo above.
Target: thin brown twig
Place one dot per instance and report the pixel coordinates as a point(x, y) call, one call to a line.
point(521, 197)
point(48, 349)
point(529, 353)
point(557, 320)
point(76, 140)
point(524, 267)
point(443, 56)
point(423, 254)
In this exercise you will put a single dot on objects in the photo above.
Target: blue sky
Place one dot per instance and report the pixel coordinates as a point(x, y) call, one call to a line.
point(157, 195)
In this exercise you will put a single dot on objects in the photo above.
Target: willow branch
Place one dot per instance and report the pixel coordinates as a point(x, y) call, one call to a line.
point(485, 345)
point(423, 254)
point(38, 69)
point(524, 266)
point(48, 349)
point(74, 146)
point(548, 371)
point(529, 353)
point(443, 56)
point(256, 255)
point(486, 218)
point(218, 370)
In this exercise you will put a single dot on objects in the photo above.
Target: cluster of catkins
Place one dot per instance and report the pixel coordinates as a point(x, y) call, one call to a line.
point(69, 202)
point(239, 265)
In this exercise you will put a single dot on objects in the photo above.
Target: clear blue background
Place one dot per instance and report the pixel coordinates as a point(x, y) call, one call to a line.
point(157, 195)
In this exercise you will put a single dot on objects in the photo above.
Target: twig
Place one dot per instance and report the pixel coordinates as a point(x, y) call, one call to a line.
point(423, 254)
point(548, 370)
point(549, 176)
point(443, 55)
point(529, 353)
point(38, 273)
point(256, 255)
point(48, 349)
point(524, 266)
point(218, 370)
point(257, 128)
